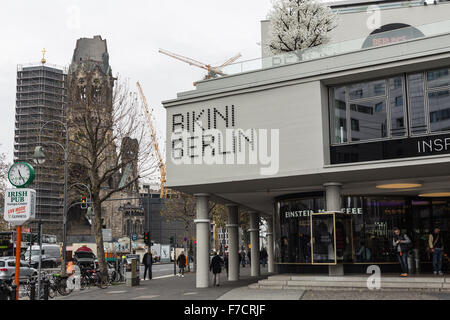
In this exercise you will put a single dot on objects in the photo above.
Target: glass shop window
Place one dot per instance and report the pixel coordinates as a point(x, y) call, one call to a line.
point(372, 119)
point(372, 110)
point(438, 78)
point(417, 103)
point(339, 110)
point(397, 107)
point(439, 104)
point(367, 89)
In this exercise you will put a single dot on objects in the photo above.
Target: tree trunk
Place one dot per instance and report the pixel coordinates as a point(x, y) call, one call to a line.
point(99, 235)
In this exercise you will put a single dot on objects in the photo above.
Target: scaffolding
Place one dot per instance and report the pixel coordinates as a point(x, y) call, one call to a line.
point(41, 97)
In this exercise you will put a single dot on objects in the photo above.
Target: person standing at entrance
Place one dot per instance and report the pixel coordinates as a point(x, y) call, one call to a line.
point(225, 262)
point(148, 262)
point(181, 261)
point(401, 244)
point(216, 268)
point(242, 258)
point(436, 245)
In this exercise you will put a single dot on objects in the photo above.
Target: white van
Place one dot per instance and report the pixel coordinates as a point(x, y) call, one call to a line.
point(51, 256)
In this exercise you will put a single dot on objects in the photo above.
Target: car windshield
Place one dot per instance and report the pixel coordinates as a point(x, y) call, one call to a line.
point(2, 263)
point(33, 253)
point(83, 255)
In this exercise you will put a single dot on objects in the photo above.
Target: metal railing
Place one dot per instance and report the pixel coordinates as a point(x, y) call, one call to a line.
point(331, 49)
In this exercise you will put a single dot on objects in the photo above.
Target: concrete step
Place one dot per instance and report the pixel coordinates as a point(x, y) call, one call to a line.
point(352, 282)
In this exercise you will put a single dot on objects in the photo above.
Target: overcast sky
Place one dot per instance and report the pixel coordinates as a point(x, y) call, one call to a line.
point(210, 31)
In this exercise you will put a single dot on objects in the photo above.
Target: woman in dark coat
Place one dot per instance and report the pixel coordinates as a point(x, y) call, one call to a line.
point(181, 264)
point(216, 268)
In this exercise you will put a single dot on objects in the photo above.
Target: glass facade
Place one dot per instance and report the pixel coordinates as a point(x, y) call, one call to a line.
point(372, 221)
point(395, 107)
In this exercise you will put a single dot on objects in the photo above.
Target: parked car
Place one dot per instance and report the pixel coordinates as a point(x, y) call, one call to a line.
point(84, 257)
point(8, 269)
point(51, 256)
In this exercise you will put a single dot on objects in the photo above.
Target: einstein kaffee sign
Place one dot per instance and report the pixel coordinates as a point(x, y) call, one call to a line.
point(20, 206)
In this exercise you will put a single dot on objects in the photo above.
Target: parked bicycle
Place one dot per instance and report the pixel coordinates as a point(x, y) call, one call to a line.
point(93, 277)
point(58, 283)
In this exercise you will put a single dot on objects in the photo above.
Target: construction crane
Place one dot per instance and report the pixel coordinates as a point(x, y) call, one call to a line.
point(213, 72)
point(162, 165)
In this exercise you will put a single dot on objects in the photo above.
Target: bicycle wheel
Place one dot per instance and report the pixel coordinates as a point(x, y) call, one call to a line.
point(115, 277)
point(102, 282)
point(51, 292)
point(83, 282)
point(62, 287)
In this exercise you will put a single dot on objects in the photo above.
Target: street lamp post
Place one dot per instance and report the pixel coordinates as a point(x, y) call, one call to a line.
point(40, 159)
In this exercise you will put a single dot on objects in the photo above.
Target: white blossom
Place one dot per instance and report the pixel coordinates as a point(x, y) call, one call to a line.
point(299, 24)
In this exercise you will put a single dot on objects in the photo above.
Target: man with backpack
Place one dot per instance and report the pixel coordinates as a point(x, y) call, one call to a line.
point(402, 244)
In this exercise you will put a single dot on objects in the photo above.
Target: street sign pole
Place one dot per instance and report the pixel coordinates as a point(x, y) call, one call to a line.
point(175, 255)
point(40, 260)
point(18, 246)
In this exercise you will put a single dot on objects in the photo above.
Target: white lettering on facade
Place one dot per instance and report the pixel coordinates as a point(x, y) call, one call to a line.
point(307, 213)
point(433, 145)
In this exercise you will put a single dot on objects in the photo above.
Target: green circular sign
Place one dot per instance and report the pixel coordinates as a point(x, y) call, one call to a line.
point(21, 174)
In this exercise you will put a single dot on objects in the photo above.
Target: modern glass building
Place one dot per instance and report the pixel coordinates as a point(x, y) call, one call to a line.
point(358, 126)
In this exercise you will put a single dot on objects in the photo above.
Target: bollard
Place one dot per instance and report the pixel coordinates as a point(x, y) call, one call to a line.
point(4, 291)
point(46, 287)
point(12, 292)
point(411, 266)
point(32, 290)
point(417, 260)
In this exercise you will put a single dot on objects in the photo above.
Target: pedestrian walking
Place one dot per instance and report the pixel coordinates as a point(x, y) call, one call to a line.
point(216, 268)
point(249, 256)
point(147, 260)
point(436, 245)
point(401, 244)
point(263, 255)
point(181, 261)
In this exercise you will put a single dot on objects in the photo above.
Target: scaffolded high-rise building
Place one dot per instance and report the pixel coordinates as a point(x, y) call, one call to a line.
point(40, 103)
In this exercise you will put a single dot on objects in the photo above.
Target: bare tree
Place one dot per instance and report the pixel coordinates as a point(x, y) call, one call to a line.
point(182, 207)
point(102, 116)
point(299, 24)
point(4, 166)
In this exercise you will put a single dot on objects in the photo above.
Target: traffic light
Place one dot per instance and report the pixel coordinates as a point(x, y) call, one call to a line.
point(83, 203)
point(172, 241)
point(146, 238)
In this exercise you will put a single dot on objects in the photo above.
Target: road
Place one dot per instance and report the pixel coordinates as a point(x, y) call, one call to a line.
point(158, 270)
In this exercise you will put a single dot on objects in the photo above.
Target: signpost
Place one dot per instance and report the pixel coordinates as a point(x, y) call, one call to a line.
point(107, 235)
point(20, 205)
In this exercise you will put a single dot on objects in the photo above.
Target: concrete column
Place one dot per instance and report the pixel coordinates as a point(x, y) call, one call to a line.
point(333, 203)
point(233, 242)
point(254, 243)
point(270, 253)
point(333, 196)
point(202, 255)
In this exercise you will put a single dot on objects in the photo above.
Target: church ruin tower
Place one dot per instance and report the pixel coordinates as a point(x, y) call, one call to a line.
point(91, 84)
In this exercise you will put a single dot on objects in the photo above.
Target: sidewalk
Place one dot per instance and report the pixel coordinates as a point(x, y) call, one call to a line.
point(168, 287)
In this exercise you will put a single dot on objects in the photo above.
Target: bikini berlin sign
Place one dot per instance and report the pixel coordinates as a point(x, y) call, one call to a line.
point(20, 206)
